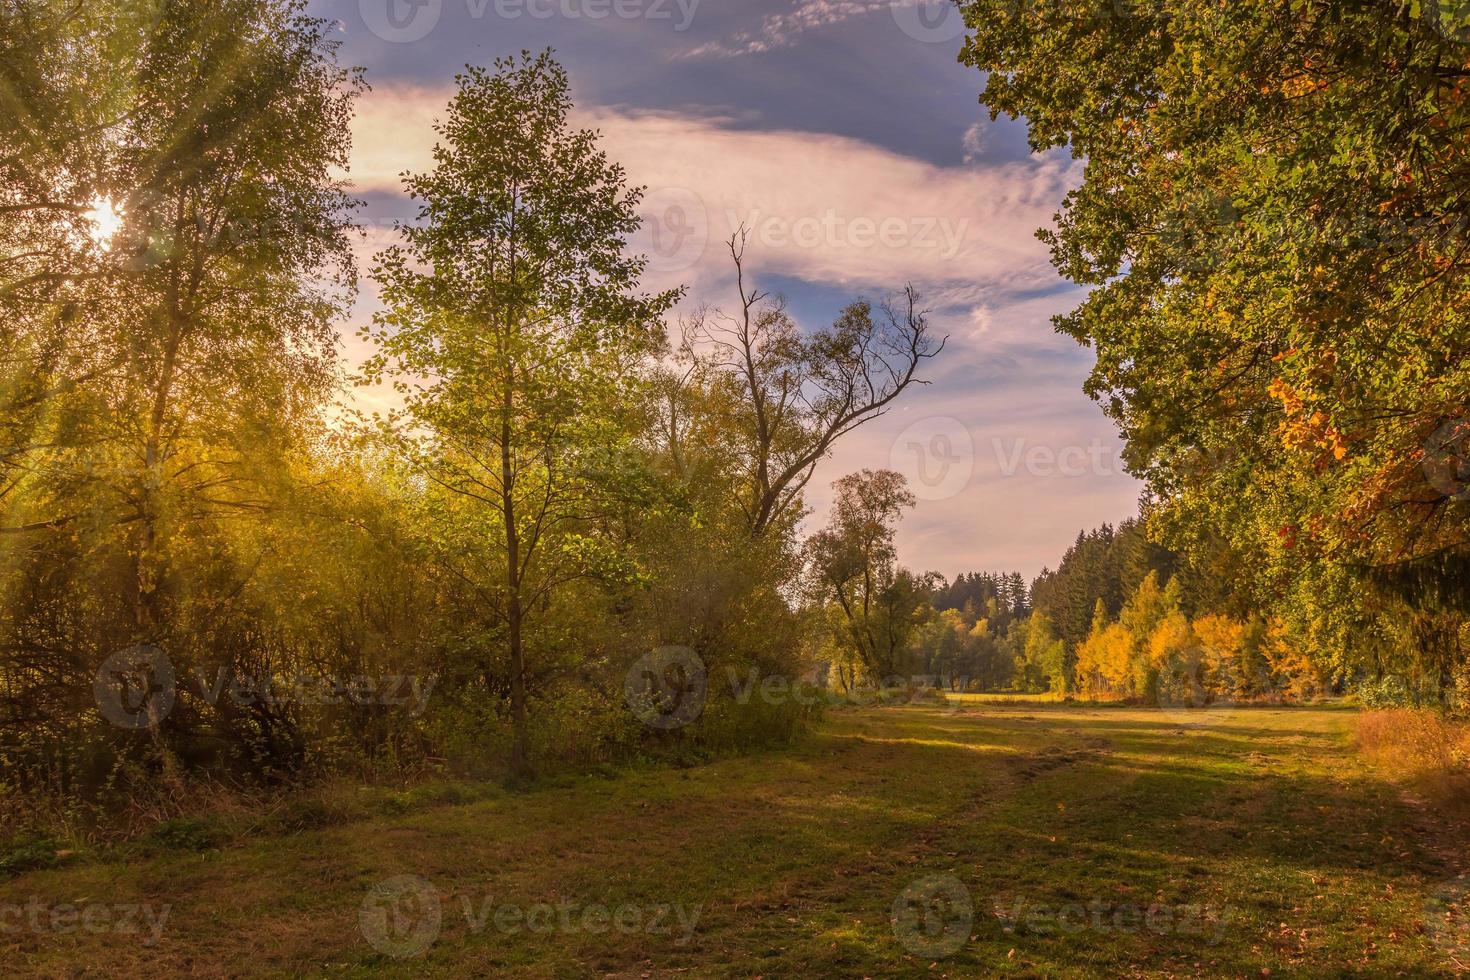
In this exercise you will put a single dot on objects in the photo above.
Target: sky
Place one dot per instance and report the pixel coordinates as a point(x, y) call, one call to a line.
point(850, 142)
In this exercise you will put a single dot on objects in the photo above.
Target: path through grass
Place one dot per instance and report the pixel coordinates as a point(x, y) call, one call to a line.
point(1078, 841)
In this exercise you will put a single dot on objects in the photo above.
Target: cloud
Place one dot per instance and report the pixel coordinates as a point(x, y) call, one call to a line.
point(781, 30)
point(835, 211)
point(818, 207)
point(973, 142)
point(393, 131)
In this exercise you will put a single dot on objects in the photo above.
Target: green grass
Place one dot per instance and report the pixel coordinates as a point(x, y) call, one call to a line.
point(1270, 846)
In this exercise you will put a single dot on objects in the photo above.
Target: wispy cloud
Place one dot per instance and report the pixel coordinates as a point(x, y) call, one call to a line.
point(817, 206)
point(783, 29)
point(973, 142)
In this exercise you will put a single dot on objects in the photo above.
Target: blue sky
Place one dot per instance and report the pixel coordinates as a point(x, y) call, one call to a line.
point(847, 137)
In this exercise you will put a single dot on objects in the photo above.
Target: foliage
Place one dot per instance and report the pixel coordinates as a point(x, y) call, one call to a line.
point(463, 584)
point(1272, 221)
point(515, 348)
point(782, 397)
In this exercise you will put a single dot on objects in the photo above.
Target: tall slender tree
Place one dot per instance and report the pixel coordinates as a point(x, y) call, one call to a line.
point(515, 326)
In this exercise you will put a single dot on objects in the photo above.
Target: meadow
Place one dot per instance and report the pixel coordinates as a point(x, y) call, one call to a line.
point(982, 836)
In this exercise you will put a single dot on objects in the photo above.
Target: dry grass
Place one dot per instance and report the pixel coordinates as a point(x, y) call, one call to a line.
point(1311, 864)
point(1427, 749)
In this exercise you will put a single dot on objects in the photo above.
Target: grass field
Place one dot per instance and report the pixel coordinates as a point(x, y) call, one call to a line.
point(984, 838)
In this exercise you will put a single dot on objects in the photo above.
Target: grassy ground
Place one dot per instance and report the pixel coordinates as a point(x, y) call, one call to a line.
point(1076, 840)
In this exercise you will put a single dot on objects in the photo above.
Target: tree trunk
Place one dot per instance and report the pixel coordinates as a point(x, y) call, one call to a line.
point(520, 755)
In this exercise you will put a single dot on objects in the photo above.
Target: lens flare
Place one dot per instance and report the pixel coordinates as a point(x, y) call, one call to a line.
point(105, 218)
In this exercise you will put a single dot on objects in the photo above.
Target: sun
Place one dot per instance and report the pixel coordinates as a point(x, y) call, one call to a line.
point(106, 218)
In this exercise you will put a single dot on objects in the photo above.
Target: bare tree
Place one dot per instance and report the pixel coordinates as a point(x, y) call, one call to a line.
point(787, 397)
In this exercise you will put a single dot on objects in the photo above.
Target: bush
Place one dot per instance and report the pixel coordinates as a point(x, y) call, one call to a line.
point(1391, 691)
point(28, 853)
point(188, 834)
point(1425, 747)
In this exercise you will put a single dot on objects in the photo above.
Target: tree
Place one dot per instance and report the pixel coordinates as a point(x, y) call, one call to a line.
point(1227, 668)
point(940, 648)
point(1092, 655)
point(515, 311)
point(1146, 611)
point(1178, 662)
point(174, 371)
point(1048, 662)
point(784, 398)
point(854, 564)
point(1273, 219)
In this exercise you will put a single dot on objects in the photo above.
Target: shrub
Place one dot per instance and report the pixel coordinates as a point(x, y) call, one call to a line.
point(1427, 748)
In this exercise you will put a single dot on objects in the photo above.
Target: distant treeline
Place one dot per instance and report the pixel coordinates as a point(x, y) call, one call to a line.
point(1121, 617)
